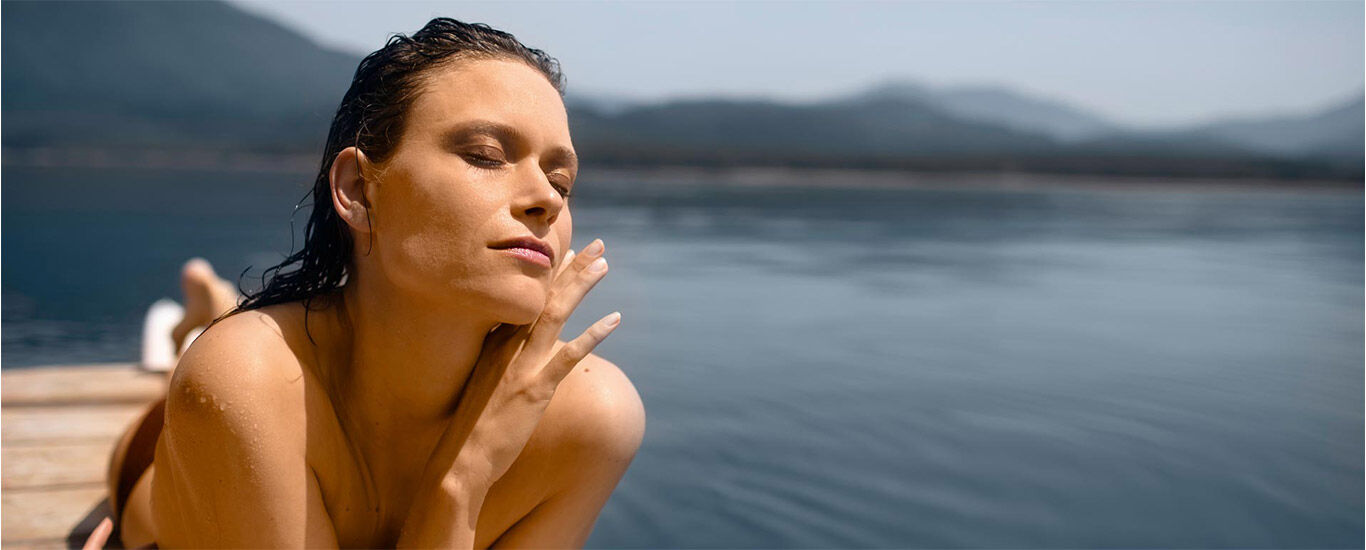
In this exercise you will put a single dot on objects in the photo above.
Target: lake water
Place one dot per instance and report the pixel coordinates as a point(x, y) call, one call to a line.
point(875, 367)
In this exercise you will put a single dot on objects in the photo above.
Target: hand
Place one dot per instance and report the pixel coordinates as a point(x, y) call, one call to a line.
point(516, 375)
point(100, 535)
point(511, 384)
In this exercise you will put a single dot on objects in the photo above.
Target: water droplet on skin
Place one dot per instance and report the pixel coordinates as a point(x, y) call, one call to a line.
point(222, 407)
point(202, 399)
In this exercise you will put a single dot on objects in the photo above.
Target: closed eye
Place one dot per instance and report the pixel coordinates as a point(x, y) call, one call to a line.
point(492, 158)
point(487, 157)
point(560, 187)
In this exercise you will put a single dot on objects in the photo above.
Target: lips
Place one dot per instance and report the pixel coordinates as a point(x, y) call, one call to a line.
point(529, 243)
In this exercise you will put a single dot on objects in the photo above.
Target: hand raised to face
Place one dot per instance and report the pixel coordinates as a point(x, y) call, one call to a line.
point(513, 380)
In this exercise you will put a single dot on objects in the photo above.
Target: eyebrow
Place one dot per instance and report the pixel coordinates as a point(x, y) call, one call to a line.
point(558, 155)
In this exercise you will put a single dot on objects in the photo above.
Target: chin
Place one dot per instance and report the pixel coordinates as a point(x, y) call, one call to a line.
point(519, 306)
point(518, 316)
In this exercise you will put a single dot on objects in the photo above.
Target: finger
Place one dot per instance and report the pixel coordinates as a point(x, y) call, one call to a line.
point(575, 350)
point(560, 305)
point(100, 535)
point(592, 252)
point(546, 329)
point(564, 264)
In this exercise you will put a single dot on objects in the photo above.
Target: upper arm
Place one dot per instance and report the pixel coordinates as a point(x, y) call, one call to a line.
point(230, 465)
point(591, 431)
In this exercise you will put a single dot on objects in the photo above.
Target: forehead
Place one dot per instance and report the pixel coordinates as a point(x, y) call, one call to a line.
point(496, 90)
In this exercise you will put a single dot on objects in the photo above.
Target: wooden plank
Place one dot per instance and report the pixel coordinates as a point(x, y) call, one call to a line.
point(79, 424)
point(89, 384)
point(58, 426)
point(71, 465)
point(35, 516)
point(36, 544)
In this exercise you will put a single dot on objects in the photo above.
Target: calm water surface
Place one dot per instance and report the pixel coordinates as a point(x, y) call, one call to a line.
point(867, 367)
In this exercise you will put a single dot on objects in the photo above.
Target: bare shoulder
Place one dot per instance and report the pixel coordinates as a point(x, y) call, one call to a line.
point(240, 370)
point(236, 423)
point(584, 444)
point(596, 411)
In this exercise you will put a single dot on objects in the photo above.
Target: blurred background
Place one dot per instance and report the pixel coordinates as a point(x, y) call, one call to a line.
point(970, 275)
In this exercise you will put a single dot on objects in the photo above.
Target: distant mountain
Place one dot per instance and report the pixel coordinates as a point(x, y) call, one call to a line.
point(599, 102)
point(1336, 131)
point(1333, 132)
point(998, 105)
point(158, 73)
point(207, 76)
point(738, 131)
point(900, 133)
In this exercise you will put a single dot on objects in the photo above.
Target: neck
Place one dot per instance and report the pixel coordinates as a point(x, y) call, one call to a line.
point(405, 363)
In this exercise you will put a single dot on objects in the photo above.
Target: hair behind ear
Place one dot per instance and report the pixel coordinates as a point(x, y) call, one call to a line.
point(369, 119)
point(369, 225)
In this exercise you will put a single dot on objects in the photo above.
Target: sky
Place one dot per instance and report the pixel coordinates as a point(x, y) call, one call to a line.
point(1148, 64)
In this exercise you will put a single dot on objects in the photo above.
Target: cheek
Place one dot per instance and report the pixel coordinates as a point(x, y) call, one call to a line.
point(429, 236)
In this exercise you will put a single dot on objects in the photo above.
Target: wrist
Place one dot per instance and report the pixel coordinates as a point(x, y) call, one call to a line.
point(446, 515)
point(464, 486)
point(469, 474)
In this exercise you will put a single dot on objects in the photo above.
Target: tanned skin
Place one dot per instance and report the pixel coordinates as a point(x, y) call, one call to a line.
point(434, 405)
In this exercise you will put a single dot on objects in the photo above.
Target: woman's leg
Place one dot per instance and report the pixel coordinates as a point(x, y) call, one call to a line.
point(131, 477)
point(206, 297)
point(131, 461)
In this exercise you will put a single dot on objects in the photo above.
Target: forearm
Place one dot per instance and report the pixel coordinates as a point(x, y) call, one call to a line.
point(446, 514)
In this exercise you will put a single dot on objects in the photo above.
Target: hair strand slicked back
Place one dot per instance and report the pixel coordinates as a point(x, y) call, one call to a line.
point(371, 118)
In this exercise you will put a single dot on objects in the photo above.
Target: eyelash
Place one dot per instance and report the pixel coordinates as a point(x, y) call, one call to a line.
point(488, 163)
point(563, 191)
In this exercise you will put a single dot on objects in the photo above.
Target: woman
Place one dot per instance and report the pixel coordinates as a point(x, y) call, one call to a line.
point(399, 382)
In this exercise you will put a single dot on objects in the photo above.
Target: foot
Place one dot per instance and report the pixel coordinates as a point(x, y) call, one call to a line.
point(206, 297)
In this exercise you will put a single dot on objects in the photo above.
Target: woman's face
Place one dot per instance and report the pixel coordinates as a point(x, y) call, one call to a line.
point(485, 157)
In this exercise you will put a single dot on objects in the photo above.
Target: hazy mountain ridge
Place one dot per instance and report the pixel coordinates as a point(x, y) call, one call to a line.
point(900, 124)
point(1333, 131)
point(759, 129)
point(203, 75)
point(998, 105)
point(162, 73)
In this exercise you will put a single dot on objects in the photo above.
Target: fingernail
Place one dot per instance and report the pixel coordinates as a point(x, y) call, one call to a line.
point(611, 319)
point(569, 257)
point(593, 248)
point(598, 266)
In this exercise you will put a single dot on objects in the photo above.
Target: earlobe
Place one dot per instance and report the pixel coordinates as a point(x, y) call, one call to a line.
point(348, 189)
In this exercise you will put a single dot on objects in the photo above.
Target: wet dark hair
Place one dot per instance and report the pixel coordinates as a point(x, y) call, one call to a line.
point(371, 118)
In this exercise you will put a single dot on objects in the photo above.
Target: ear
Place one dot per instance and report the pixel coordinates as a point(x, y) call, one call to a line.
point(349, 198)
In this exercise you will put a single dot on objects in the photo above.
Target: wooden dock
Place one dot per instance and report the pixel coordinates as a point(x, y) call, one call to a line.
point(57, 428)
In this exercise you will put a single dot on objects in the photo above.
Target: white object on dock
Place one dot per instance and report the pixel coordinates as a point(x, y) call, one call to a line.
point(158, 348)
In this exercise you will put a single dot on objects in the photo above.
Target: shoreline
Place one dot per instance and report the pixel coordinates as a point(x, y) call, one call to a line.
point(779, 177)
point(746, 176)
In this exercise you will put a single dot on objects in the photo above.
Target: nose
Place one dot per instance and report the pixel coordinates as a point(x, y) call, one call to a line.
point(537, 199)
